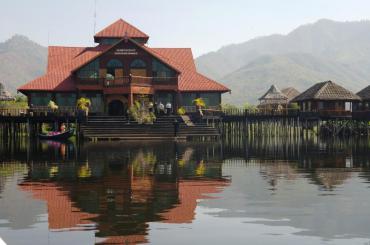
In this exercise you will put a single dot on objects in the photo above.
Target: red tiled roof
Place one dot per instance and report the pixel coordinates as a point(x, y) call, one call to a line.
point(62, 61)
point(190, 79)
point(120, 29)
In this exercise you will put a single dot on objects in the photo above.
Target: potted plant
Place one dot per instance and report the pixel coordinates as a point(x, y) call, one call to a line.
point(53, 107)
point(181, 111)
point(83, 105)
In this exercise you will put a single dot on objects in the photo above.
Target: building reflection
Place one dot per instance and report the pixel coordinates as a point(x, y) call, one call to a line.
point(118, 188)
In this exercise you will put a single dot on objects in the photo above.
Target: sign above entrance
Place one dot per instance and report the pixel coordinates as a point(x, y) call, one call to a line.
point(126, 51)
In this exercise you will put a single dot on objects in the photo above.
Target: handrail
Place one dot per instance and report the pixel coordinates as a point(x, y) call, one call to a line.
point(37, 111)
point(126, 80)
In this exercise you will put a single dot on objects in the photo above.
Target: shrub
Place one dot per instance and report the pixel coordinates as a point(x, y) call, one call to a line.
point(181, 111)
point(52, 105)
point(83, 104)
point(199, 102)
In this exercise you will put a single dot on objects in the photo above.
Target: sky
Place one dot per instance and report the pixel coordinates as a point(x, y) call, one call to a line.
point(203, 25)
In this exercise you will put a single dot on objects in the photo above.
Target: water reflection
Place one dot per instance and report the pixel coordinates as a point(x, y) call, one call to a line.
point(141, 192)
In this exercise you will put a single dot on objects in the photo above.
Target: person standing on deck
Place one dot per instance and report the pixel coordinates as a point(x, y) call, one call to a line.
point(155, 106)
point(150, 106)
point(175, 127)
point(168, 108)
point(161, 108)
point(62, 128)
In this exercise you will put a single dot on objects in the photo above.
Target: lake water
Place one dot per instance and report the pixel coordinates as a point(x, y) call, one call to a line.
point(259, 191)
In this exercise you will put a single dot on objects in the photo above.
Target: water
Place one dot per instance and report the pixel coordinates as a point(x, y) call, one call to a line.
point(263, 191)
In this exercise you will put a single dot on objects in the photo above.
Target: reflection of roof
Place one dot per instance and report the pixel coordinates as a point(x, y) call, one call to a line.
point(330, 178)
point(62, 61)
point(62, 213)
point(327, 91)
point(274, 94)
point(189, 192)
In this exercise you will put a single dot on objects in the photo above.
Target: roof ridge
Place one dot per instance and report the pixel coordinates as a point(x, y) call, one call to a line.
point(117, 22)
point(323, 87)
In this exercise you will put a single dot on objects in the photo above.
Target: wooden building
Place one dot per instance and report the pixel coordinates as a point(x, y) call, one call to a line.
point(364, 94)
point(290, 92)
point(119, 70)
point(327, 98)
point(273, 99)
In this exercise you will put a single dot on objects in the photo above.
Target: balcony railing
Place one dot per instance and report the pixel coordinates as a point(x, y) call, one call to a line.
point(327, 113)
point(126, 81)
point(38, 111)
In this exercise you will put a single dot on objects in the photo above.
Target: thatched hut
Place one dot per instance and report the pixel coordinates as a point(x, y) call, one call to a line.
point(328, 98)
point(290, 92)
point(5, 95)
point(273, 99)
point(364, 94)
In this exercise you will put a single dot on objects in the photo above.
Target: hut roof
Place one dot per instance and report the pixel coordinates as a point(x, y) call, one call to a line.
point(365, 93)
point(327, 91)
point(273, 94)
point(5, 95)
point(290, 92)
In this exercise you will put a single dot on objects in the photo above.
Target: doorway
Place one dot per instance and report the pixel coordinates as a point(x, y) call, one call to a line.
point(116, 108)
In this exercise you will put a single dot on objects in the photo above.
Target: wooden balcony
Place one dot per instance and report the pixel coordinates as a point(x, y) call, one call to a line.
point(326, 114)
point(126, 82)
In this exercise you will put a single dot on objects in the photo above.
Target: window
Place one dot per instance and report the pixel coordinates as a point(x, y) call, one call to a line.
point(188, 98)
point(114, 65)
point(161, 70)
point(164, 97)
point(89, 71)
point(138, 69)
point(40, 99)
point(65, 99)
point(211, 99)
point(138, 64)
point(109, 41)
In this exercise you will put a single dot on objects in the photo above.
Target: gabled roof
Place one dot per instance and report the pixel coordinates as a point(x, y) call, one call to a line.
point(365, 93)
point(290, 92)
point(120, 29)
point(327, 91)
point(63, 61)
point(273, 94)
point(189, 80)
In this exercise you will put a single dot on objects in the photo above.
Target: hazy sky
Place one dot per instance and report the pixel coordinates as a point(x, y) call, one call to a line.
point(204, 25)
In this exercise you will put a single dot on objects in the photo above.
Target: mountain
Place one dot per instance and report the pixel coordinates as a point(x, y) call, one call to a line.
point(325, 50)
point(21, 60)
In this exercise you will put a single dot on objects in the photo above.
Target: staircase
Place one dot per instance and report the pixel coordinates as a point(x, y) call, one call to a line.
point(121, 128)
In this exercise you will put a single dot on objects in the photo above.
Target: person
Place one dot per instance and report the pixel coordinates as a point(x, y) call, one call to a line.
point(155, 106)
point(168, 108)
point(150, 106)
point(161, 108)
point(62, 128)
point(176, 127)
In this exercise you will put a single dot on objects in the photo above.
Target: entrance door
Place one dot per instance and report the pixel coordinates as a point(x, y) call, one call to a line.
point(116, 108)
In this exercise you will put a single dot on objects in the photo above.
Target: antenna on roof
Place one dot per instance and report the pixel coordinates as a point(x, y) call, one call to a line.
point(94, 16)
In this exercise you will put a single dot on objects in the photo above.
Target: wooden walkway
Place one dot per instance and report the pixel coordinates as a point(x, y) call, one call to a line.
point(213, 124)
